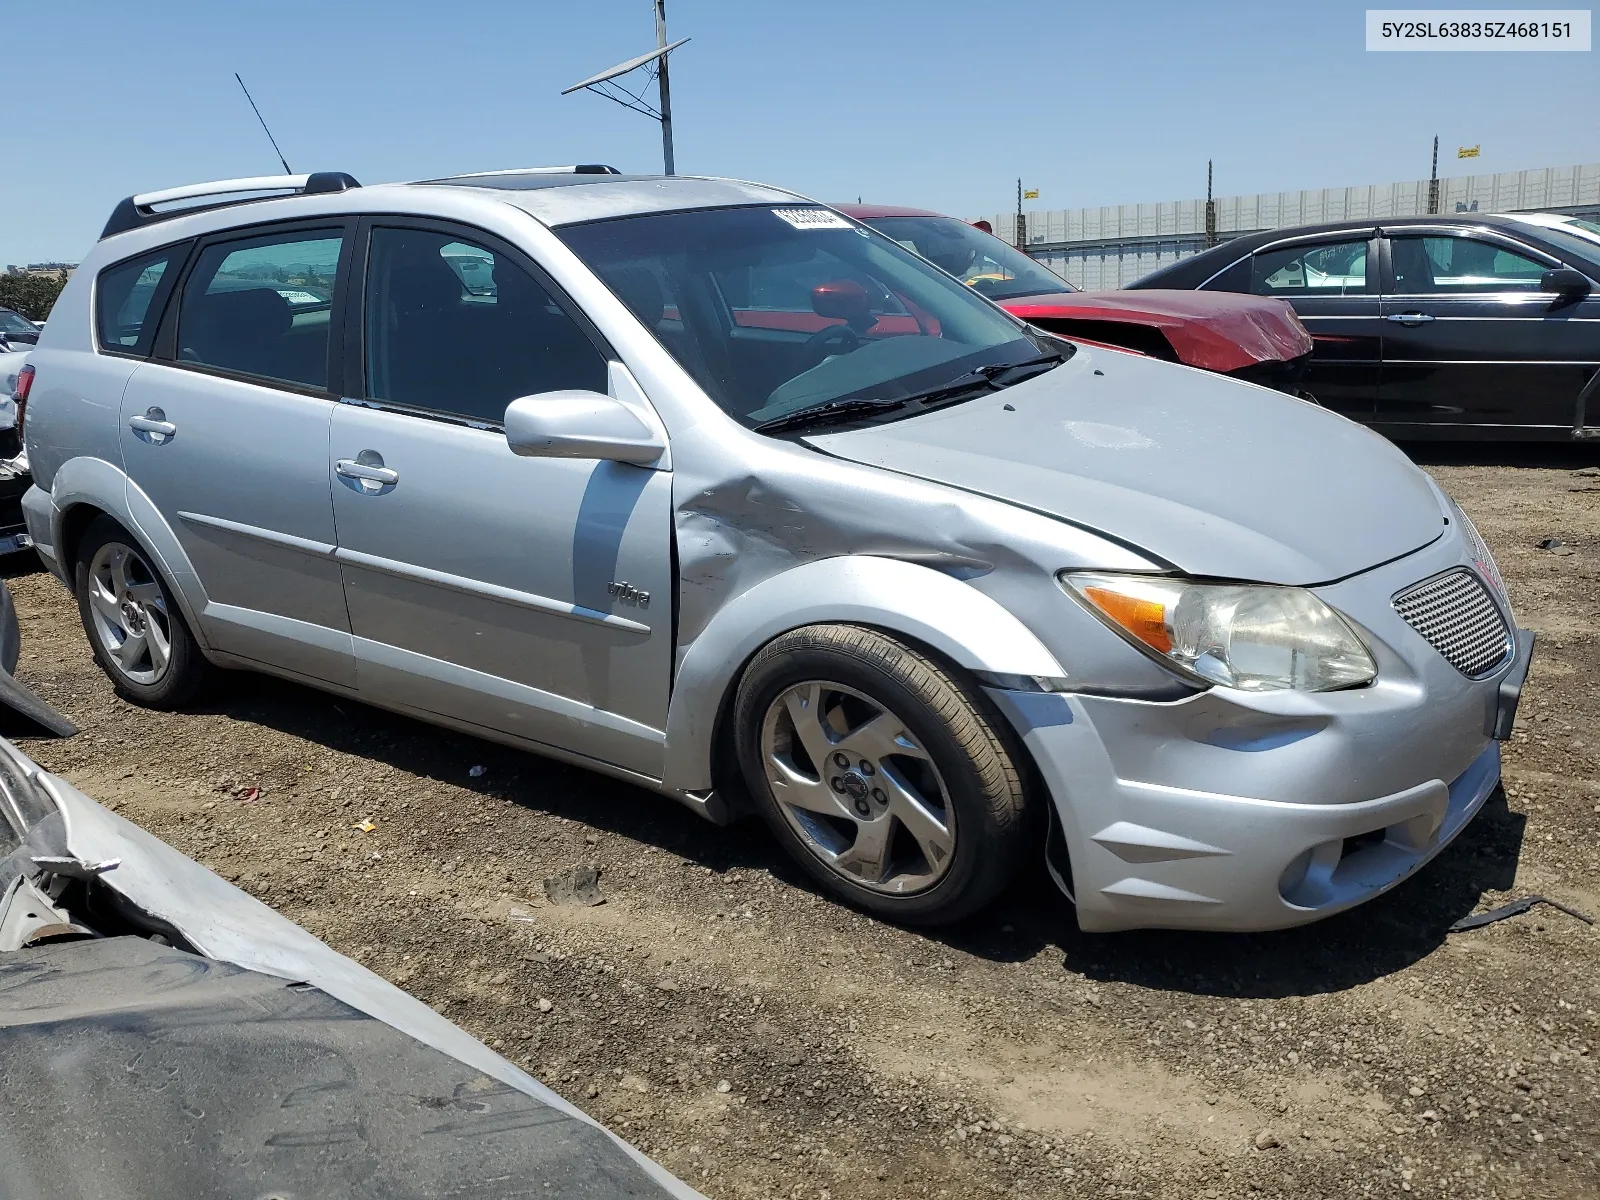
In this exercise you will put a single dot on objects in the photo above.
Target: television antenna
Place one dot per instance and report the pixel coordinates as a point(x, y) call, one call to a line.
point(654, 65)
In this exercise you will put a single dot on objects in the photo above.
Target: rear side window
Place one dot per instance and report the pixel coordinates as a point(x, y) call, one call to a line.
point(263, 307)
point(1331, 269)
point(457, 328)
point(128, 299)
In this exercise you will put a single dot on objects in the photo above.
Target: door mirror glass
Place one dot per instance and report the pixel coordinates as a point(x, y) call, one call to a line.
point(1564, 282)
point(579, 424)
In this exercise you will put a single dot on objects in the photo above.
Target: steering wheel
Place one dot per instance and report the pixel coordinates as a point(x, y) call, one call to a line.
point(819, 345)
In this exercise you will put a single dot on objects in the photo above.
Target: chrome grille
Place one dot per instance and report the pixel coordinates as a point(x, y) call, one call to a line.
point(1457, 617)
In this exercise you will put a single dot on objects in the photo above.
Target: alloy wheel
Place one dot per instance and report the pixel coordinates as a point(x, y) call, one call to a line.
point(128, 612)
point(857, 786)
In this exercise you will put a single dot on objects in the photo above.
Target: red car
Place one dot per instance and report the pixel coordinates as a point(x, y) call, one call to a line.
point(1248, 337)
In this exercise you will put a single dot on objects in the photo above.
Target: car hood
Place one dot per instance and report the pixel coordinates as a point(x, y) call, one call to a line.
point(1213, 476)
point(1217, 331)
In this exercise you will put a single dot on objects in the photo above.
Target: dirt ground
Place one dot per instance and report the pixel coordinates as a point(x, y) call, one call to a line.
point(762, 1041)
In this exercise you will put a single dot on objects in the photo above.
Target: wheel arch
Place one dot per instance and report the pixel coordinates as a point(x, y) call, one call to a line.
point(85, 488)
point(924, 607)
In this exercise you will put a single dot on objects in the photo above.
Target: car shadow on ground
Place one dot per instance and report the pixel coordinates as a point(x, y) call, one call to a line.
point(1366, 943)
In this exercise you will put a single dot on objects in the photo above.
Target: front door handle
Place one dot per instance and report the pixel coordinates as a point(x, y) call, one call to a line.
point(1411, 318)
point(367, 471)
point(154, 421)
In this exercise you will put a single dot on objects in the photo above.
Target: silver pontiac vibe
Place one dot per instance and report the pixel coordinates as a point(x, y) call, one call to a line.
point(703, 485)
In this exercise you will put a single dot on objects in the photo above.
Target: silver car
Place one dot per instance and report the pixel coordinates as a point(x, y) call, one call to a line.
point(703, 485)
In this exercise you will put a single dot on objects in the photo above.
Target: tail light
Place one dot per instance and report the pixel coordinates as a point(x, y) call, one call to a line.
point(20, 395)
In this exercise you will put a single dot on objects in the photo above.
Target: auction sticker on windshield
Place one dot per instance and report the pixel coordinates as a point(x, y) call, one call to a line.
point(812, 218)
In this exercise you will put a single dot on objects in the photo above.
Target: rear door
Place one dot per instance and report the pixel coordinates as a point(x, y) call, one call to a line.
point(226, 431)
point(1332, 282)
point(1471, 339)
point(531, 596)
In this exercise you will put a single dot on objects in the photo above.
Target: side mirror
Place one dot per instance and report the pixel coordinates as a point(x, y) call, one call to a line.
point(578, 424)
point(1565, 283)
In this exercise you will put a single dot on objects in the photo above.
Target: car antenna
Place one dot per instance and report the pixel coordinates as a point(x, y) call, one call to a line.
point(264, 128)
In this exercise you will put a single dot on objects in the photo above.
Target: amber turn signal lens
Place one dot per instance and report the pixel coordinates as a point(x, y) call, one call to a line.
point(1145, 619)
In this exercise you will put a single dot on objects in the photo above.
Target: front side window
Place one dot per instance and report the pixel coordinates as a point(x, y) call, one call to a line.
point(864, 318)
point(1443, 265)
point(980, 260)
point(1327, 269)
point(263, 307)
point(124, 297)
point(455, 328)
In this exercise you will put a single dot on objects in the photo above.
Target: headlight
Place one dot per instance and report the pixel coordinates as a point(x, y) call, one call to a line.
point(1250, 636)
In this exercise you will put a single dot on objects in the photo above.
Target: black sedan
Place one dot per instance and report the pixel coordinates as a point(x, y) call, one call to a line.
point(17, 329)
point(1433, 327)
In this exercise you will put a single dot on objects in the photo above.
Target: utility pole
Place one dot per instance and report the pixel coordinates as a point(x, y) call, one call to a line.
point(666, 95)
point(1022, 222)
point(1211, 211)
point(1433, 181)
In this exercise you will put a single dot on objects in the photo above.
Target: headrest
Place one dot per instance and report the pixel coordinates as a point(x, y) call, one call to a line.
point(424, 283)
point(257, 313)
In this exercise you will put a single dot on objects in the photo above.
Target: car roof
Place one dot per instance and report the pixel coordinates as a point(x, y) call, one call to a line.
point(572, 199)
point(553, 196)
point(866, 212)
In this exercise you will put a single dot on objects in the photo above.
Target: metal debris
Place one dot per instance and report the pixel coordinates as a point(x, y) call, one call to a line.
point(1555, 546)
point(1515, 909)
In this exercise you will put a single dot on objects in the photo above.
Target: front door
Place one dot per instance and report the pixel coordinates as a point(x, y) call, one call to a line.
point(528, 596)
point(226, 432)
point(1333, 288)
point(1470, 339)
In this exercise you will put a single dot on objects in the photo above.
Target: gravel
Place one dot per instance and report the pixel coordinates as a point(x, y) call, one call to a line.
point(762, 1041)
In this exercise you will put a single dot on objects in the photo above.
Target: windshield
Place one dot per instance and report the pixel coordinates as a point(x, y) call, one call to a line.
point(1580, 239)
point(978, 259)
point(773, 310)
point(11, 322)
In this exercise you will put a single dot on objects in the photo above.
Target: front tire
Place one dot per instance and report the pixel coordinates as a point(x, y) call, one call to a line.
point(883, 774)
point(135, 629)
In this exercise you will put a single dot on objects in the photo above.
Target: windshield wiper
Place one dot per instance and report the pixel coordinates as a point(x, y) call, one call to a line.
point(986, 377)
point(827, 413)
point(962, 387)
point(1045, 362)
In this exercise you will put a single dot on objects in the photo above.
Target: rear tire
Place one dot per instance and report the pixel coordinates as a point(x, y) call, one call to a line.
point(137, 633)
point(883, 773)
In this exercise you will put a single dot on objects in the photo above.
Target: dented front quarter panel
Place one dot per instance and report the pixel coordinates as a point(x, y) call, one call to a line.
point(773, 535)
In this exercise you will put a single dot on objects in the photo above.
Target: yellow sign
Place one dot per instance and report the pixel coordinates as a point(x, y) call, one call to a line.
point(1468, 151)
point(1031, 194)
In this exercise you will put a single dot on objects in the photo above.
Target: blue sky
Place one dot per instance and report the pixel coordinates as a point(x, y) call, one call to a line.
point(934, 103)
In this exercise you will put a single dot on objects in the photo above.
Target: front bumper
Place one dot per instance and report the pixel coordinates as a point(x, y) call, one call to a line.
point(1234, 811)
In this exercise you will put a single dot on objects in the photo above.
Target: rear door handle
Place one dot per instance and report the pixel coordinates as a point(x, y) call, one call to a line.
point(367, 472)
point(1412, 318)
point(154, 421)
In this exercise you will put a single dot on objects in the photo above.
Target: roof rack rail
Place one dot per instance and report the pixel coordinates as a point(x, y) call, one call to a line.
point(140, 210)
point(577, 169)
